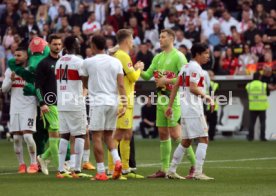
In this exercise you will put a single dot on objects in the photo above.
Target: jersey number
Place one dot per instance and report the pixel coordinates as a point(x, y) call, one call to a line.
point(30, 122)
point(63, 75)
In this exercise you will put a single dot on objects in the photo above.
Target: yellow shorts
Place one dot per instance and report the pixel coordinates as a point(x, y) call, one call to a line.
point(126, 121)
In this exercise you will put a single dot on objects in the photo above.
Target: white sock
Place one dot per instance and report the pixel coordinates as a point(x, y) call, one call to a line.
point(31, 147)
point(72, 161)
point(18, 148)
point(79, 145)
point(177, 157)
point(62, 151)
point(115, 155)
point(86, 156)
point(100, 168)
point(200, 157)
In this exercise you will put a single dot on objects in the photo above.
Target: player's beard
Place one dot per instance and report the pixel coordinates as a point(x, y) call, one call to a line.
point(56, 52)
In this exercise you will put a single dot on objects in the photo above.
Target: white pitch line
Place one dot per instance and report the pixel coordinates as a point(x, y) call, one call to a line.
point(4, 174)
point(214, 161)
point(211, 161)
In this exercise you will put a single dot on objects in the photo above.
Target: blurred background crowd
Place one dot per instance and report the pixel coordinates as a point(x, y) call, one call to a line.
point(241, 33)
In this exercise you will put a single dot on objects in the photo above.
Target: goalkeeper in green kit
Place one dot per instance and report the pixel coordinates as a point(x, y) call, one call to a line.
point(165, 68)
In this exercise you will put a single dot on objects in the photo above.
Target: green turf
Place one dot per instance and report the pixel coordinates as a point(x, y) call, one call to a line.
point(239, 168)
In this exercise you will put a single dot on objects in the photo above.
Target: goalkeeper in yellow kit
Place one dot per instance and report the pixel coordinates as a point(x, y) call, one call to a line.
point(123, 132)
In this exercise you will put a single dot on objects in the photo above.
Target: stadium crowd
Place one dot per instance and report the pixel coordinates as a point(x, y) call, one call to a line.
point(241, 33)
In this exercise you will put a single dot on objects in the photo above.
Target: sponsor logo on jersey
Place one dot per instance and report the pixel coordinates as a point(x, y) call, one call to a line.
point(18, 83)
point(170, 75)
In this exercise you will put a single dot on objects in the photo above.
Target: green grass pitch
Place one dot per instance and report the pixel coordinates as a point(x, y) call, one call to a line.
point(239, 168)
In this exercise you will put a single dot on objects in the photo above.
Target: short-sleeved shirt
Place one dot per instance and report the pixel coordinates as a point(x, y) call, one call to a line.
point(68, 71)
point(191, 105)
point(102, 70)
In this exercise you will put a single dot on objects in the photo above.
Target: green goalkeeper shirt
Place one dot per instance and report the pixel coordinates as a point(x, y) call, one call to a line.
point(168, 65)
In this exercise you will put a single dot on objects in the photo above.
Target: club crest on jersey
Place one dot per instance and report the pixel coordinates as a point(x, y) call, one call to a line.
point(126, 122)
point(194, 74)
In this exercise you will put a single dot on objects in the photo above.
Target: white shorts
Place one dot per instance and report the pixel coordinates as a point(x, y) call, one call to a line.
point(194, 127)
point(103, 118)
point(73, 122)
point(23, 122)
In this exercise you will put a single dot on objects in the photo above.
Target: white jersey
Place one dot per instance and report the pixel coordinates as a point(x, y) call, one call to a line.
point(19, 102)
point(102, 70)
point(69, 84)
point(191, 105)
point(207, 82)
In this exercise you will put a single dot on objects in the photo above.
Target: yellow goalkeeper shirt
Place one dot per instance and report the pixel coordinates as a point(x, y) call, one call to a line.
point(130, 75)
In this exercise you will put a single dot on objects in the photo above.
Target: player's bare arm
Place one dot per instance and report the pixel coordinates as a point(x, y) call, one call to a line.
point(196, 91)
point(84, 83)
point(122, 92)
